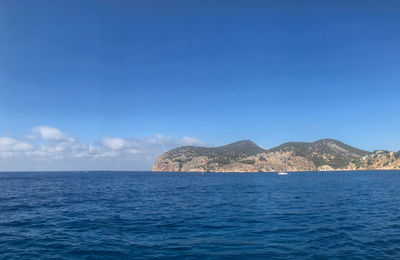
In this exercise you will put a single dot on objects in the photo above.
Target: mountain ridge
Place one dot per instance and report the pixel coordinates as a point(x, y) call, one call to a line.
point(247, 156)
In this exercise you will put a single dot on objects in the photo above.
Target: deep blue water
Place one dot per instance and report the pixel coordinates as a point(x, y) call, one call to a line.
point(135, 215)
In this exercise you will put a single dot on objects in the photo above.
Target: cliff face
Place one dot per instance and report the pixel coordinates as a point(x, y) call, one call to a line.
point(246, 156)
point(378, 160)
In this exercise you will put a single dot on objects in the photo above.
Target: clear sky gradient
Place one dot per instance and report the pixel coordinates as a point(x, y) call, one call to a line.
point(214, 71)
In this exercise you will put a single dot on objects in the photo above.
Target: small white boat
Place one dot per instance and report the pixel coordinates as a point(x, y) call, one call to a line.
point(282, 173)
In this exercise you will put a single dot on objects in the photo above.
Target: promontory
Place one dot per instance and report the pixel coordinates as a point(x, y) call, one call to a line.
point(246, 156)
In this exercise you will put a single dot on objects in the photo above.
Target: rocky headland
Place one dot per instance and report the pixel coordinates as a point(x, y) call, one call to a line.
point(246, 156)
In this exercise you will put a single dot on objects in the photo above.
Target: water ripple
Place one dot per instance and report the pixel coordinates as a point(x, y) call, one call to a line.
point(141, 215)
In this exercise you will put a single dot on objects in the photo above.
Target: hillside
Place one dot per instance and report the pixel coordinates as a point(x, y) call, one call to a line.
point(246, 156)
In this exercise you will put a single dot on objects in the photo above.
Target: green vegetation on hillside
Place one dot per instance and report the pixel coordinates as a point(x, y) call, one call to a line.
point(220, 161)
point(323, 152)
point(248, 161)
point(357, 162)
point(232, 151)
point(337, 154)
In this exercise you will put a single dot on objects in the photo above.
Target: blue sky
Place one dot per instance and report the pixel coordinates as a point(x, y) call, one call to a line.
point(213, 71)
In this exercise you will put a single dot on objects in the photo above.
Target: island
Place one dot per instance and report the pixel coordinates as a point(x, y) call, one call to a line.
point(246, 156)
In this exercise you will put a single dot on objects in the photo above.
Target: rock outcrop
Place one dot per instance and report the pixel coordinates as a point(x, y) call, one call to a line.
point(246, 156)
point(377, 160)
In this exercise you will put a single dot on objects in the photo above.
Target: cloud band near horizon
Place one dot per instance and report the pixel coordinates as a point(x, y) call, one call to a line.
point(47, 148)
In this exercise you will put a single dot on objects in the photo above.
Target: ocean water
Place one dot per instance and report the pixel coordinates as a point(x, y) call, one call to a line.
point(142, 215)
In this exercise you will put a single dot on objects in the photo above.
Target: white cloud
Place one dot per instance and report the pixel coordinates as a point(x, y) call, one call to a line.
point(57, 151)
point(12, 145)
point(114, 143)
point(48, 133)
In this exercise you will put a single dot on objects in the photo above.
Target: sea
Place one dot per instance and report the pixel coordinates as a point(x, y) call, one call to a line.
point(152, 215)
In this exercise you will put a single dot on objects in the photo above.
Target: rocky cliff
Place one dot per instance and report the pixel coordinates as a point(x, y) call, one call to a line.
point(246, 156)
point(377, 160)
